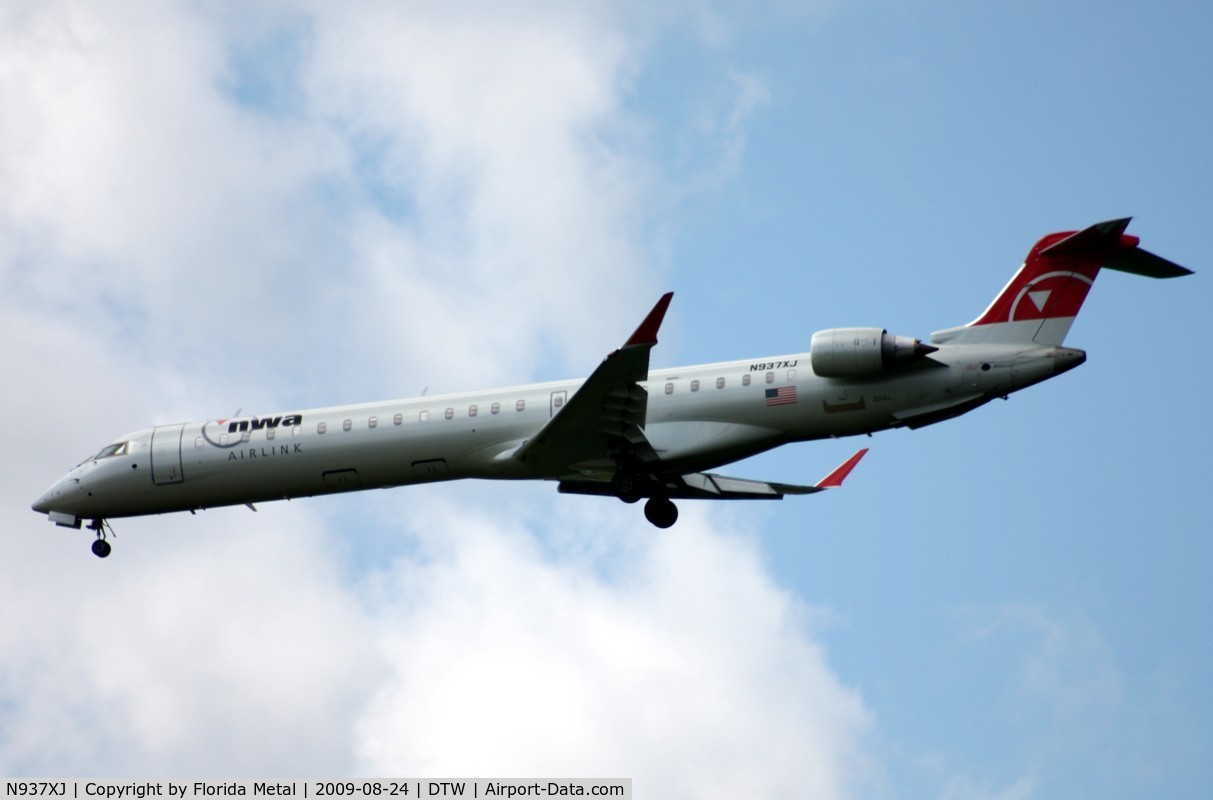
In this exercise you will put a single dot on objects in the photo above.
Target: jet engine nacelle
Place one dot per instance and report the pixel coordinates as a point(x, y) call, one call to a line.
point(862, 352)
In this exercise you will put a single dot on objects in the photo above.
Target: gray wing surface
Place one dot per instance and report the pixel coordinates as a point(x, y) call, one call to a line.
point(601, 427)
point(604, 419)
point(709, 486)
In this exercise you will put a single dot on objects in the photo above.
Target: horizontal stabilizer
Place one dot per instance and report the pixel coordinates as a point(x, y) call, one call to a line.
point(1099, 237)
point(1143, 262)
point(1107, 243)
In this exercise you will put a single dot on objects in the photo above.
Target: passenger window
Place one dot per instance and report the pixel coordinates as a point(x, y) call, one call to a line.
point(373, 422)
point(791, 375)
point(223, 439)
point(345, 426)
point(398, 419)
point(720, 383)
point(198, 441)
point(495, 408)
point(669, 388)
point(745, 379)
point(449, 413)
point(321, 427)
point(244, 437)
point(270, 433)
point(472, 410)
point(424, 416)
point(695, 386)
point(770, 377)
point(297, 430)
point(520, 405)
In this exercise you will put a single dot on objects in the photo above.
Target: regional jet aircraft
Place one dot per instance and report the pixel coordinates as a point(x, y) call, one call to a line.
point(626, 431)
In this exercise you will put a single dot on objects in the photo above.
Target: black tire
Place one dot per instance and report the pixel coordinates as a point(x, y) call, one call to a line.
point(661, 512)
point(626, 487)
point(101, 548)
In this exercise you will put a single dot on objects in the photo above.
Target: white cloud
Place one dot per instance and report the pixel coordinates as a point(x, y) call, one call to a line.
point(688, 668)
point(503, 136)
point(436, 188)
point(142, 199)
point(238, 654)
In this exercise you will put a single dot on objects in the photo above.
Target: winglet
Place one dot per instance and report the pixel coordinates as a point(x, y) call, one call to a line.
point(835, 478)
point(646, 334)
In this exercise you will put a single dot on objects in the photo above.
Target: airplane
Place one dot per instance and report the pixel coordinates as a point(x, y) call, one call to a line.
point(626, 431)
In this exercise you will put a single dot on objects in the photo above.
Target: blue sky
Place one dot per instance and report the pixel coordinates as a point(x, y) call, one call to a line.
point(204, 208)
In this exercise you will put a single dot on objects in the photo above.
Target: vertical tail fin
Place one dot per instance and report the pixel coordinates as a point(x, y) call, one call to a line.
point(1040, 303)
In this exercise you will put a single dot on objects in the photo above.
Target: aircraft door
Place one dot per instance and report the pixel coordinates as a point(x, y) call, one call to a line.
point(558, 399)
point(166, 455)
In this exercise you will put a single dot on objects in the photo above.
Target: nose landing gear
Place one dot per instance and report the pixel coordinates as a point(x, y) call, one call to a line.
point(101, 547)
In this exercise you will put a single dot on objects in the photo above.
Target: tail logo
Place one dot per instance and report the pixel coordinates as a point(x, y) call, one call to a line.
point(1040, 298)
point(1066, 289)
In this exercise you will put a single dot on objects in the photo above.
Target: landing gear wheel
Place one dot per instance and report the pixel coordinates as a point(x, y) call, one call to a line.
point(626, 487)
point(101, 548)
point(661, 512)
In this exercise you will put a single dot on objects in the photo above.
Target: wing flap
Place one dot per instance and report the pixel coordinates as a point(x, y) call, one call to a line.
point(709, 486)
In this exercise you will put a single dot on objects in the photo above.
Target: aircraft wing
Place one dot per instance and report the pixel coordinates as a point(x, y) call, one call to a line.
point(707, 486)
point(604, 418)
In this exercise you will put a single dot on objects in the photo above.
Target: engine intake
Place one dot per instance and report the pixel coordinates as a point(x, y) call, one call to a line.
point(862, 352)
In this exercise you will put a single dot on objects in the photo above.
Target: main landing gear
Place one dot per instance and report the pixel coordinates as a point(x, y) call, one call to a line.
point(631, 487)
point(101, 547)
point(626, 487)
point(661, 512)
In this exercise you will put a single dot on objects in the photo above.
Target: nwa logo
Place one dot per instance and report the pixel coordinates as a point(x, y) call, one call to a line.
point(257, 423)
point(219, 432)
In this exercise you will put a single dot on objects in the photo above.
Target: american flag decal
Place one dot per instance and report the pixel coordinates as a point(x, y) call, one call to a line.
point(784, 395)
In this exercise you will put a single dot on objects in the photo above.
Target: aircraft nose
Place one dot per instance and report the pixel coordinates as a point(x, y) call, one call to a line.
point(57, 495)
point(43, 504)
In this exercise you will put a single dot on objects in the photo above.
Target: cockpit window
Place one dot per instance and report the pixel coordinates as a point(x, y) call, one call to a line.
point(118, 449)
point(110, 450)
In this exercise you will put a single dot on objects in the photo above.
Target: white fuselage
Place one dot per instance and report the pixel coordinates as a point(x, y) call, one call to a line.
point(626, 430)
point(698, 418)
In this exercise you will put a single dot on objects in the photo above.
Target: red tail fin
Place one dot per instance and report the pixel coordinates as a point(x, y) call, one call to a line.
point(1043, 298)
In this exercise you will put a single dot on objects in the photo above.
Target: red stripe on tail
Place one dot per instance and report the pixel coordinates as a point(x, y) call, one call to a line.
point(1057, 274)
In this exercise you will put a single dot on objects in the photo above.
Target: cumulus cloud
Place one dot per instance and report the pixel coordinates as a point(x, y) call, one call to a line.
point(522, 198)
point(203, 210)
point(690, 668)
point(239, 654)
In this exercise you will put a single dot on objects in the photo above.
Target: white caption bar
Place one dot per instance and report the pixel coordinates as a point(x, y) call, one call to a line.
point(325, 790)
